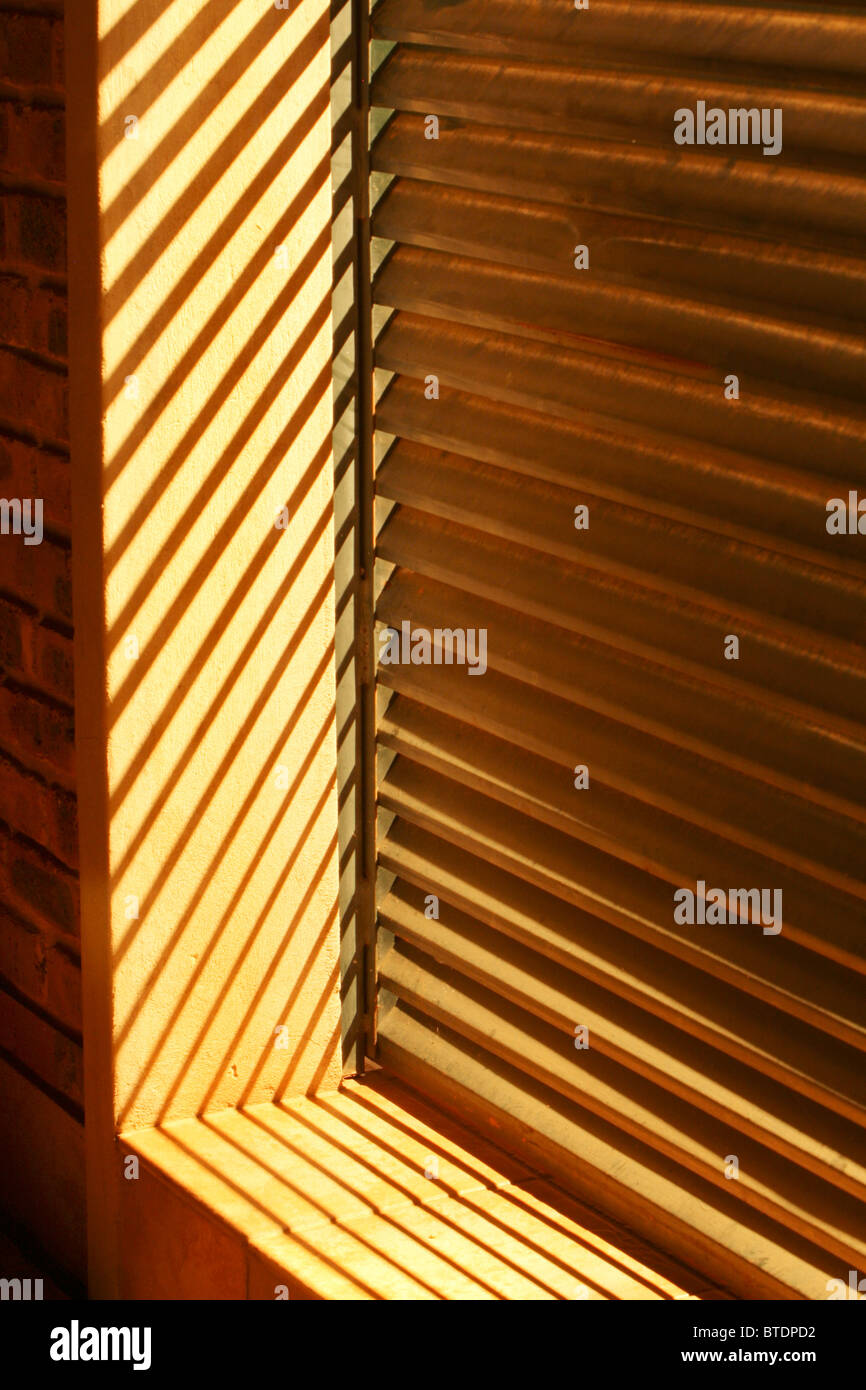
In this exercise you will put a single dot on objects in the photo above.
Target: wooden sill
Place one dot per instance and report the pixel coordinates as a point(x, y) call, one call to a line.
point(364, 1193)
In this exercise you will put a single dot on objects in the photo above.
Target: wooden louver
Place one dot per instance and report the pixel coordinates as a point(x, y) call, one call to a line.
point(605, 387)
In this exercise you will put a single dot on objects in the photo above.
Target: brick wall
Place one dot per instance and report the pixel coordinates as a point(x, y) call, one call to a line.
point(40, 995)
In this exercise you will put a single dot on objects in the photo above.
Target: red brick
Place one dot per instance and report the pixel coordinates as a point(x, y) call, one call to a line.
point(37, 731)
point(63, 841)
point(45, 971)
point(42, 232)
point(45, 892)
point(37, 574)
point(14, 649)
point(32, 316)
point(30, 649)
point(33, 396)
point(33, 141)
point(44, 813)
point(27, 49)
point(26, 803)
point(58, 56)
point(41, 889)
point(35, 230)
point(43, 1049)
point(27, 471)
point(51, 662)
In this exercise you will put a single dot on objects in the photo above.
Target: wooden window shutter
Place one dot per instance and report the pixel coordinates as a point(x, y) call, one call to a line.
point(693, 379)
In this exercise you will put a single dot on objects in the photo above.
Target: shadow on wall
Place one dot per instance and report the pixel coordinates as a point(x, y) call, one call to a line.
point(215, 164)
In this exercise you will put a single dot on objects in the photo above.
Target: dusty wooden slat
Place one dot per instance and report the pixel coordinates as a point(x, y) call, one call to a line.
point(540, 236)
point(808, 679)
point(654, 1196)
point(592, 1079)
point(784, 828)
point(664, 845)
point(817, 917)
point(768, 1182)
point(805, 201)
point(614, 101)
point(792, 979)
point(811, 1063)
point(724, 493)
point(806, 37)
point(740, 734)
point(690, 562)
point(706, 1078)
point(570, 308)
point(794, 428)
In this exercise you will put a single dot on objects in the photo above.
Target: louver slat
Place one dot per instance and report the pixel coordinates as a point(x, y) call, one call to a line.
point(652, 1114)
point(651, 773)
point(637, 902)
point(546, 307)
point(805, 204)
point(574, 100)
point(662, 985)
point(679, 634)
point(790, 427)
point(742, 734)
point(515, 906)
point(776, 36)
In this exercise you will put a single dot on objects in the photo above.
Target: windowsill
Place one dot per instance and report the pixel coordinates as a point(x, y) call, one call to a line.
point(328, 1197)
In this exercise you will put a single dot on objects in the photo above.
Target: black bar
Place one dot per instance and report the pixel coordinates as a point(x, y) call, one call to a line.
point(605, 1338)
